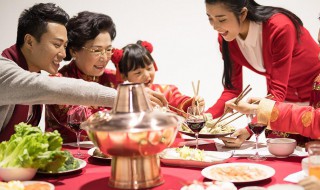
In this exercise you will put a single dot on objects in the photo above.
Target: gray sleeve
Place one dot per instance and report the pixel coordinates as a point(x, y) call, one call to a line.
point(18, 86)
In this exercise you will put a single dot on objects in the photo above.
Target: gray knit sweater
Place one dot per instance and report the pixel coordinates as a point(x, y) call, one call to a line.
point(18, 86)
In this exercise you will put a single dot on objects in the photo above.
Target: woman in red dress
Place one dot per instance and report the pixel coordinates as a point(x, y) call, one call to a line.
point(90, 38)
point(270, 41)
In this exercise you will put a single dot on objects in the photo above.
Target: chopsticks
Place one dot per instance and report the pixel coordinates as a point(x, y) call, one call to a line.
point(255, 102)
point(241, 95)
point(179, 110)
point(196, 92)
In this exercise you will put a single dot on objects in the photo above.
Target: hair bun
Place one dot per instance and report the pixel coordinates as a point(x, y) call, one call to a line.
point(116, 55)
point(147, 45)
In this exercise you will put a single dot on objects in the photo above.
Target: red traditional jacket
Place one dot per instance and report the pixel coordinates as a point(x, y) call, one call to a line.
point(291, 64)
point(20, 113)
point(173, 96)
point(56, 115)
point(288, 117)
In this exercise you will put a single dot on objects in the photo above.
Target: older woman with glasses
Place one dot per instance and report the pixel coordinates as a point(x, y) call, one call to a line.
point(89, 48)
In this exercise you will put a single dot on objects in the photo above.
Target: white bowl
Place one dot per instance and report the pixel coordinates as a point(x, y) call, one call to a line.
point(281, 147)
point(22, 174)
point(285, 187)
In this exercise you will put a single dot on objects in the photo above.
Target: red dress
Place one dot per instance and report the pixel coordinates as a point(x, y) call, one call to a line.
point(56, 115)
point(291, 65)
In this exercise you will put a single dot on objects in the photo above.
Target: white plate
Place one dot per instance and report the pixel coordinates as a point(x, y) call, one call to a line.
point(82, 164)
point(169, 156)
point(83, 144)
point(91, 150)
point(239, 171)
point(25, 183)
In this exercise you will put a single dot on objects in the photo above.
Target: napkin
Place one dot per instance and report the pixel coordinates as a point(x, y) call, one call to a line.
point(248, 148)
point(295, 177)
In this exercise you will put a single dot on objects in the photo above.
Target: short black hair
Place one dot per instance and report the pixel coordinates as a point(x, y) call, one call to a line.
point(34, 20)
point(87, 26)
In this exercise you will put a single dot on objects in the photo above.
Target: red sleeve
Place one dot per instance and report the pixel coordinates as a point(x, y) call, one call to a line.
point(173, 96)
point(217, 109)
point(304, 120)
point(280, 35)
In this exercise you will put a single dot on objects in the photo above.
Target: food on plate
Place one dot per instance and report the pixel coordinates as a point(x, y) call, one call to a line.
point(29, 147)
point(196, 185)
point(208, 128)
point(70, 164)
point(18, 185)
point(37, 186)
point(237, 173)
point(188, 153)
point(98, 153)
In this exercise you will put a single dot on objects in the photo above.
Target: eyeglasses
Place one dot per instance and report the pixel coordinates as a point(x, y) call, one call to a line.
point(99, 51)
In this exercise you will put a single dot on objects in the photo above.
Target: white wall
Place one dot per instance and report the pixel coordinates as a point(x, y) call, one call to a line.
point(185, 45)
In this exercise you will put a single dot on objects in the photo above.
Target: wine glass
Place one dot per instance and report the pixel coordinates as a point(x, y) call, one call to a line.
point(77, 115)
point(195, 120)
point(257, 128)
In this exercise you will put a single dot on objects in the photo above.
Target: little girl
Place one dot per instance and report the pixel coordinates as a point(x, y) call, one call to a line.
point(135, 64)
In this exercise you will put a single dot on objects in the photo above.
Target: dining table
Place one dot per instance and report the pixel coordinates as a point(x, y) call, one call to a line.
point(96, 173)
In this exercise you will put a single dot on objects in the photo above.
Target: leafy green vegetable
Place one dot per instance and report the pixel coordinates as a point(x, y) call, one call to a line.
point(30, 148)
point(70, 163)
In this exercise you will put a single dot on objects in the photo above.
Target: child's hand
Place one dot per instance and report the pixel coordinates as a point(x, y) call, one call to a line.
point(156, 98)
point(198, 101)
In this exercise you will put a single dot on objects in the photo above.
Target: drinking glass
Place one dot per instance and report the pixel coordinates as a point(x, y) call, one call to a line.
point(77, 115)
point(195, 120)
point(314, 159)
point(257, 128)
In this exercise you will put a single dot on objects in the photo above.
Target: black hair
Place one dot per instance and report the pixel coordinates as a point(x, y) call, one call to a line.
point(34, 20)
point(256, 13)
point(87, 26)
point(134, 56)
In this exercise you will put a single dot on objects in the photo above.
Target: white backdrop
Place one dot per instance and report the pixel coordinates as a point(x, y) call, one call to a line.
point(185, 45)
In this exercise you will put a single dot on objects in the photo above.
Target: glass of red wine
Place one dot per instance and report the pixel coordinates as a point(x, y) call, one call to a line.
point(195, 120)
point(77, 115)
point(257, 128)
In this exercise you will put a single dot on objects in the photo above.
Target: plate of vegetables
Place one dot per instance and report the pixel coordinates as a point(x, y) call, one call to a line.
point(191, 157)
point(70, 165)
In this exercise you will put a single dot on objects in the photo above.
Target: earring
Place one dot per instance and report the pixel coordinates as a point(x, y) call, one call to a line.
point(74, 58)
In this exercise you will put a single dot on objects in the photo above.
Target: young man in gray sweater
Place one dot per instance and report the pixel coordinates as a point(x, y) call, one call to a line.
point(40, 45)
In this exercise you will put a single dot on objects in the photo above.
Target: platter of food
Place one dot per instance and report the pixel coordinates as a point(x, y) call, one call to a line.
point(238, 172)
point(96, 153)
point(209, 130)
point(26, 185)
point(75, 165)
point(190, 157)
point(29, 185)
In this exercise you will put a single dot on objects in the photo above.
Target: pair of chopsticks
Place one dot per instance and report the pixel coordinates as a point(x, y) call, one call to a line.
point(269, 96)
point(241, 95)
point(196, 92)
point(181, 111)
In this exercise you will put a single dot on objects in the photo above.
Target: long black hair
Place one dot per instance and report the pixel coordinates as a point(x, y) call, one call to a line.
point(256, 13)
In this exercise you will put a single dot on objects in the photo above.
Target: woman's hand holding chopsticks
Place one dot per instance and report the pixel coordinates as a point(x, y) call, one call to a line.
point(244, 107)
